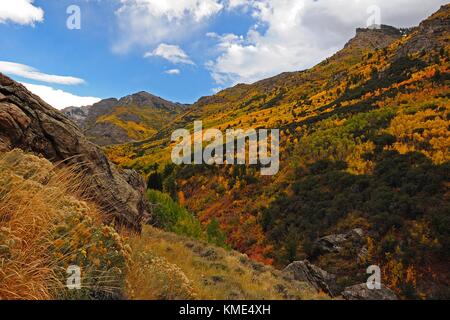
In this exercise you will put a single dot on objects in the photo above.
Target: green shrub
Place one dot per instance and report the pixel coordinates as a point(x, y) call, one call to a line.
point(170, 216)
point(215, 235)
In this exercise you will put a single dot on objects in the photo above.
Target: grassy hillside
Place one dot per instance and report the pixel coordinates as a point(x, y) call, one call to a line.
point(46, 226)
point(364, 143)
point(168, 266)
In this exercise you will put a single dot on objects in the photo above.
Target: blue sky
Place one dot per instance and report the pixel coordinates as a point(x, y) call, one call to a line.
point(177, 49)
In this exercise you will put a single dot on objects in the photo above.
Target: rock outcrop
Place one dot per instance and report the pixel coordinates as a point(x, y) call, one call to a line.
point(430, 34)
point(361, 292)
point(334, 242)
point(326, 282)
point(28, 123)
point(376, 37)
point(316, 277)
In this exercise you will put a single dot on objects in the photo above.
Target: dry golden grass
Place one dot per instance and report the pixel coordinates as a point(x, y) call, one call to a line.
point(196, 270)
point(154, 278)
point(46, 226)
point(34, 197)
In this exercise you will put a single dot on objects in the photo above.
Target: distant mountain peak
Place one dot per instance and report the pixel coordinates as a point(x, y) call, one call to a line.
point(138, 98)
point(130, 118)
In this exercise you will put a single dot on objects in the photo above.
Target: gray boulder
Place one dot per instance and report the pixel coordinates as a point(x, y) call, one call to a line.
point(361, 292)
point(333, 243)
point(318, 278)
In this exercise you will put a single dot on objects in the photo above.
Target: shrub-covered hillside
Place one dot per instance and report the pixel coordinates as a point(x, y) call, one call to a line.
point(364, 144)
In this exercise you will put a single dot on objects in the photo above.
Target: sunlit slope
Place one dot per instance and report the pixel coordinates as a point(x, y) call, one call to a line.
point(270, 103)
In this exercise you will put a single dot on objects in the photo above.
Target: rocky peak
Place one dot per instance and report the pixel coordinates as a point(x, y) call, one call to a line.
point(379, 29)
point(87, 116)
point(146, 99)
point(139, 98)
point(107, 122)
point(102, 107)
point(375, 37)
point(30, 124)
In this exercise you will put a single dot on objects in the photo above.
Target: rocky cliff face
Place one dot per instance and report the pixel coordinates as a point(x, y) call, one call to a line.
point(376, 37)
point(28, 123)
point(77, 114)
point(430, 34)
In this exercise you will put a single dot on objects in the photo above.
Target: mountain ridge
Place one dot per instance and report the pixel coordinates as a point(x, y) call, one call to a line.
point(132, 117)
point(359, 45)
point(365, 38)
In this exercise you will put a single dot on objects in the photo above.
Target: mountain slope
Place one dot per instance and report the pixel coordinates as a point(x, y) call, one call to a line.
point(48, 225)
point(55, 216)
point(134, 117)
point(364, 143)
point(270, 102)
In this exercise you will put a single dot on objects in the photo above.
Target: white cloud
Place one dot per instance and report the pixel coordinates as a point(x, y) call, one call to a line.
point(232, 4)
point(59, 99)
point(292, 35)
point(28, 72)
point(171, 53)
point(20, 11)
point(216, 90)
point(173, 71)
point(148, 22)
